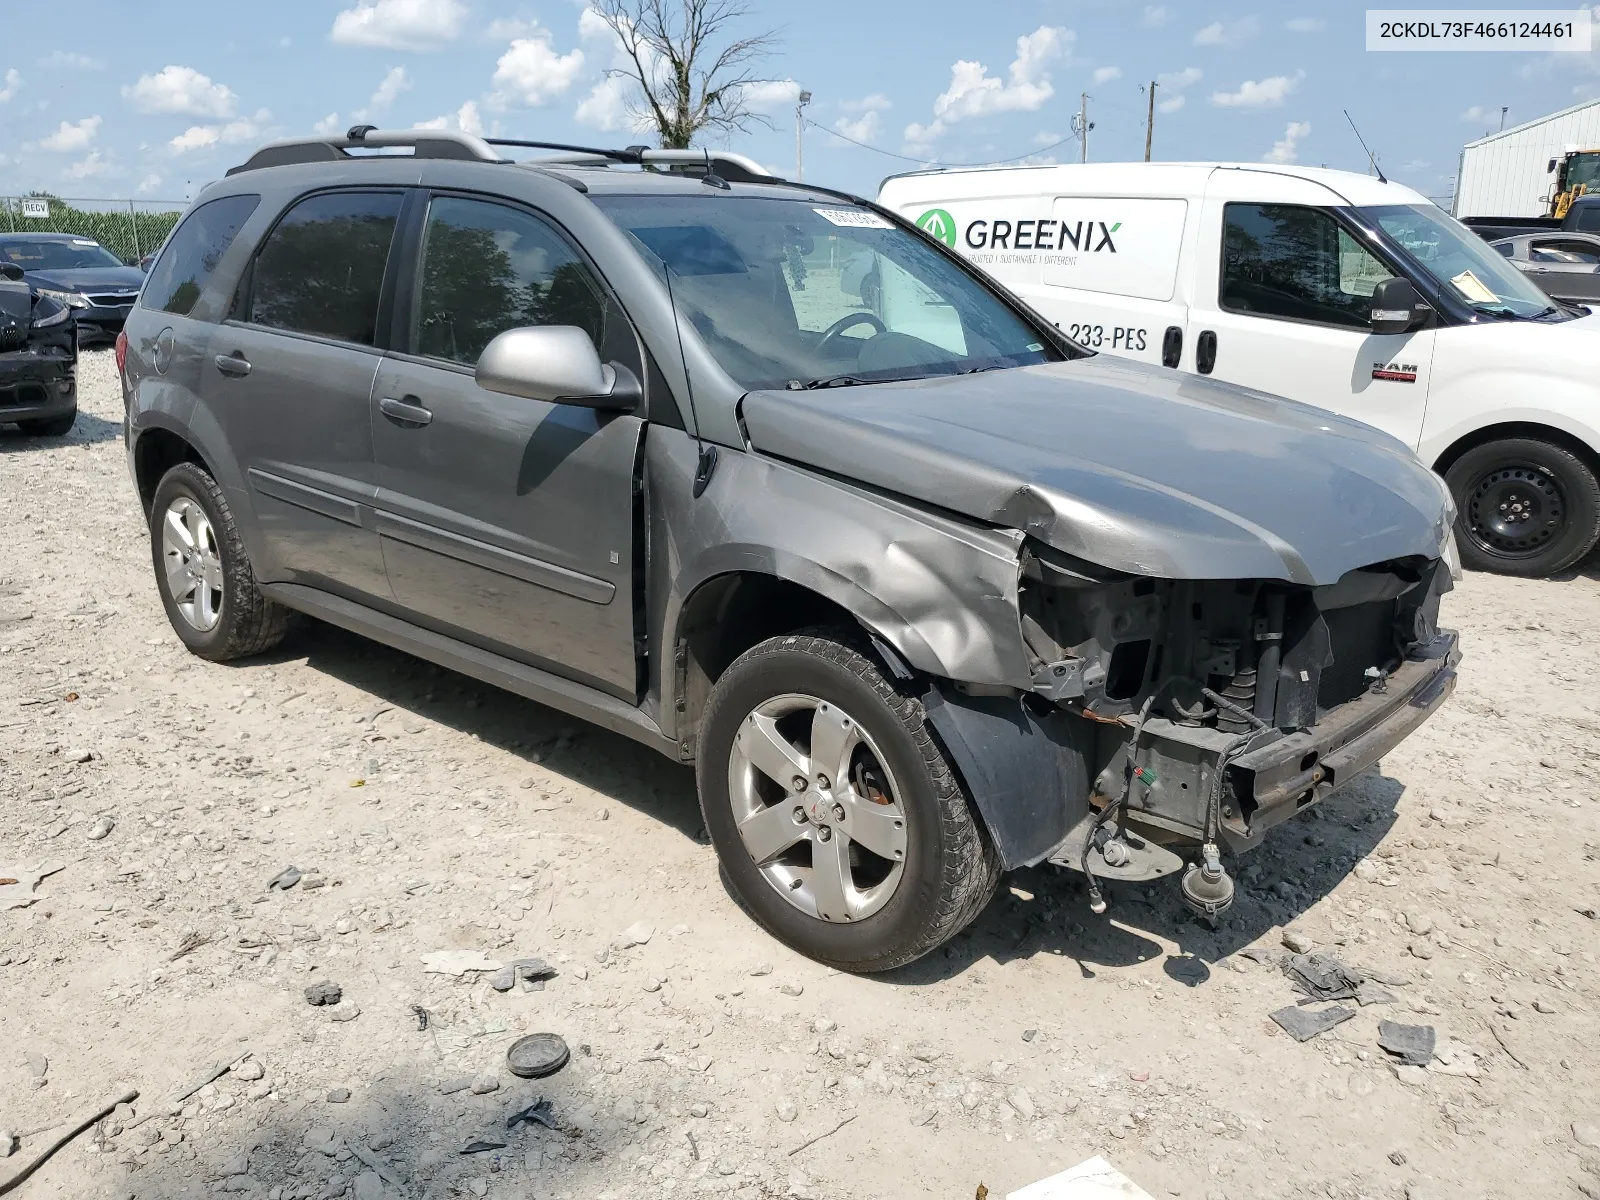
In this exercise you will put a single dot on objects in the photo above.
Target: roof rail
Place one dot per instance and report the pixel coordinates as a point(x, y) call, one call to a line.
point(736, 168)
point(424, 143)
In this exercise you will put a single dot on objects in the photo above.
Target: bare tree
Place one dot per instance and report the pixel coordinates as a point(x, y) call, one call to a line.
point(690, 85)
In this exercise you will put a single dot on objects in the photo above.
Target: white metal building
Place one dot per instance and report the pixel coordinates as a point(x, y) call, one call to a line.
point(1504, 175)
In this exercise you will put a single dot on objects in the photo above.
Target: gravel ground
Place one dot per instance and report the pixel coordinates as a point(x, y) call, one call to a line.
point(429, 813)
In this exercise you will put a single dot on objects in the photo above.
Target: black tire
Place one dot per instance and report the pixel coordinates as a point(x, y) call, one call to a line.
point(247, 622)
point(951, 868)
point(50, 426)
point(1526, 507)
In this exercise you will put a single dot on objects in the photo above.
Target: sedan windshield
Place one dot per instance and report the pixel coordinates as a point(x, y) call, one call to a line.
point(58, 256)
point(1460, 261)
point(808, 293)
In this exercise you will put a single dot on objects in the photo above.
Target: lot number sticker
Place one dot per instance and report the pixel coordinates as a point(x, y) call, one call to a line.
point(853, 218)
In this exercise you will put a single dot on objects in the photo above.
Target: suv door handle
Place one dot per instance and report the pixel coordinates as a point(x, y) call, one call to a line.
point(234, 364)
point(408, 411)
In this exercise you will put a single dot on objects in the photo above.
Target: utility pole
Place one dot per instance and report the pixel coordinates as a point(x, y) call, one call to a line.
point(799, 124)
point(1150, 121)
point(1503, 109)
point(1081, 125)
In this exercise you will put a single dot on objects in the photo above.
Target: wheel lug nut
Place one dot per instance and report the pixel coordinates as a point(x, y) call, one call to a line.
point(822, 782)
point(799, 815)
point(838, 812)
point(799, 783)
point(824, 833)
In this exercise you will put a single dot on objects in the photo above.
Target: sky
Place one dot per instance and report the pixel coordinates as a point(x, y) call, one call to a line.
point(151, 100)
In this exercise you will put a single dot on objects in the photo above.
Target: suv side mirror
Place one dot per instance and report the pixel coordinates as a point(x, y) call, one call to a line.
point(1397, 307)
point(557, 364)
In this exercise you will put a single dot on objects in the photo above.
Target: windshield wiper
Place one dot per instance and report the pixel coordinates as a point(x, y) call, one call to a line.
point(832, 381)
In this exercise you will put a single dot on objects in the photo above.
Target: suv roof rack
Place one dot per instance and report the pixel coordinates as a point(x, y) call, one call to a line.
point(444, 143)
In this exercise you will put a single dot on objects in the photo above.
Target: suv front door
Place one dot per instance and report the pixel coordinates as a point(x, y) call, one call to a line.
point(504, 521)
point(289, 378)
point(1288, 312)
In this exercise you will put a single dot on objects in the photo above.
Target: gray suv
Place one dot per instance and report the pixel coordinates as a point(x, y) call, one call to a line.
point(760, 475)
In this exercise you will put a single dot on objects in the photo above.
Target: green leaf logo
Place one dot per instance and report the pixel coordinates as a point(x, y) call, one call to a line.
point(939, 224)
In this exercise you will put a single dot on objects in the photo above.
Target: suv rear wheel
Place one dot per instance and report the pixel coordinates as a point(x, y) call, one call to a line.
point(1526, 507)
point(840, 825)
point(207, 585)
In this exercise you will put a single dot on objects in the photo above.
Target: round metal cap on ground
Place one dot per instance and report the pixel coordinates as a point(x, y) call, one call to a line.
point(537, 1055)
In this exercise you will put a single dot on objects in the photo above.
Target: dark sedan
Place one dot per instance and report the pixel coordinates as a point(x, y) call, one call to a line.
point(1565, 265)
point(80, 273)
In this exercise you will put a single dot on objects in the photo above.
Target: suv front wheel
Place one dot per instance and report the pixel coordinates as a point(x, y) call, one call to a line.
point(839, 823)
point(207, 585)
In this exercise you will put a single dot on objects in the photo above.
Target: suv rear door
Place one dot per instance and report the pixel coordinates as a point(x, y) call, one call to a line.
point(506, 522)
point(289, 377)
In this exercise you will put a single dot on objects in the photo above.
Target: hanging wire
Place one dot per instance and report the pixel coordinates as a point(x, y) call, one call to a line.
point(993, 162)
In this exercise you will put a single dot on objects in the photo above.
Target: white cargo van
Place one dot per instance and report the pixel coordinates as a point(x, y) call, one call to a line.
point(1336, 289)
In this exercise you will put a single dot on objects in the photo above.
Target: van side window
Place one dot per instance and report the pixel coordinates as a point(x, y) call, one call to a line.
point(179, 275)
point(321, 269)
point(1296, 264)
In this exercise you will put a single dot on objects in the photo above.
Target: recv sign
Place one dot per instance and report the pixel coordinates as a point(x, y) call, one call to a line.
point(36, 209)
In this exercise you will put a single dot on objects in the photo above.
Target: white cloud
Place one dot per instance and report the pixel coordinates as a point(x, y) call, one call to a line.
point(399, 24)
point(506, 29)
point(328, 124)
point(149, 183)
point(1106, 74)
point(199, 137)
point(973, 92)
point(1306, 25)
point(1174, 84)
point(1219, 34)
point(1265, 93)
point(1479, 113)
point(465, 118)
point(864, 128)
point(182, 90)
point(71, 137)
point(387, 92)
point(609, 105)
point(1155, 15)
point(771, 95)
point(1047, 137)
point(606, 105)
point(13, 84)
point(92, 164)
point(1285, 149)
point(531, 72)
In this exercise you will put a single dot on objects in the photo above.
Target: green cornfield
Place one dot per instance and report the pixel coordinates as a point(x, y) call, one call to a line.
point(129, 229)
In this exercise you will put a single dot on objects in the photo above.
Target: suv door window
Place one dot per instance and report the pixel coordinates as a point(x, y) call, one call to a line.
point(320, 270)
point(180, 274)
point(487, 268)
point(1296, 264)
point(1566, 252)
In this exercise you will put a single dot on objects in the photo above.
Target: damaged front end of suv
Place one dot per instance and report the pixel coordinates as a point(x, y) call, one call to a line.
point(1212, 710)
point(38, 359)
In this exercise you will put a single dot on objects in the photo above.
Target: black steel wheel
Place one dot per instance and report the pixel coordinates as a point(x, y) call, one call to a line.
point(1526, 507)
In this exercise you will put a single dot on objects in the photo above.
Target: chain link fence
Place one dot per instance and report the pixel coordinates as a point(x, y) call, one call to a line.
point(129, 229)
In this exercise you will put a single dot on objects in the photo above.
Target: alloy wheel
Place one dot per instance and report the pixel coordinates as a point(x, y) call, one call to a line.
point(193, 563)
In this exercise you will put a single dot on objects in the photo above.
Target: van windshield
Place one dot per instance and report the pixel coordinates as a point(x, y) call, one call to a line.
point(1460, 260)
point(812, 293)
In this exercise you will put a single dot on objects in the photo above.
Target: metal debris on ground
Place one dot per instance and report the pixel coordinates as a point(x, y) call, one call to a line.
point(826, 1134)
point(520, 969)
point(478, 1146)
point(537, 1055)
point(1320, 977)
point(540, 1112)
point(422, 1017)
point(1302, 1024)
point(284, 879)
point(1095, 1179)
point(324, 991)
point(1413, 1045)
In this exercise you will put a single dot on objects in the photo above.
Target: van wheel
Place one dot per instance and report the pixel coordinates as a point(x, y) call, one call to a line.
point(207, 585)
point(839, 823)
point(1525, 507)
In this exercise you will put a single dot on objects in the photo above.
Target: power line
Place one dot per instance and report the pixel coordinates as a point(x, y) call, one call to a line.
point(993, 162)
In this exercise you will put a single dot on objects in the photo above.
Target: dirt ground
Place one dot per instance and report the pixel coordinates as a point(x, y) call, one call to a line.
point(428, 813)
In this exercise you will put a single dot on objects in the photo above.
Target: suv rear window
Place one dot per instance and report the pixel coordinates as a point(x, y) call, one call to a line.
point(180, 274)
point(321, 270)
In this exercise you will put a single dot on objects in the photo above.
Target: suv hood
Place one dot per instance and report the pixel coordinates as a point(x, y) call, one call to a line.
point(1131, 467)
point(90, 279)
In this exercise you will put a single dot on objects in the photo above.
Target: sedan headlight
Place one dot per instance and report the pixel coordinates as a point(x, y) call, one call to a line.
point(70, 299)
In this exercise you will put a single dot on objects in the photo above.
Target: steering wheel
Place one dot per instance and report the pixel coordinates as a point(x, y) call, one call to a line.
point(848, 321)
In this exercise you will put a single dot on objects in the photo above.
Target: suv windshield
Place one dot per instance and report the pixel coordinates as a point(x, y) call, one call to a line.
point(58, 256)
point(808, 292)
point(1460, 260)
